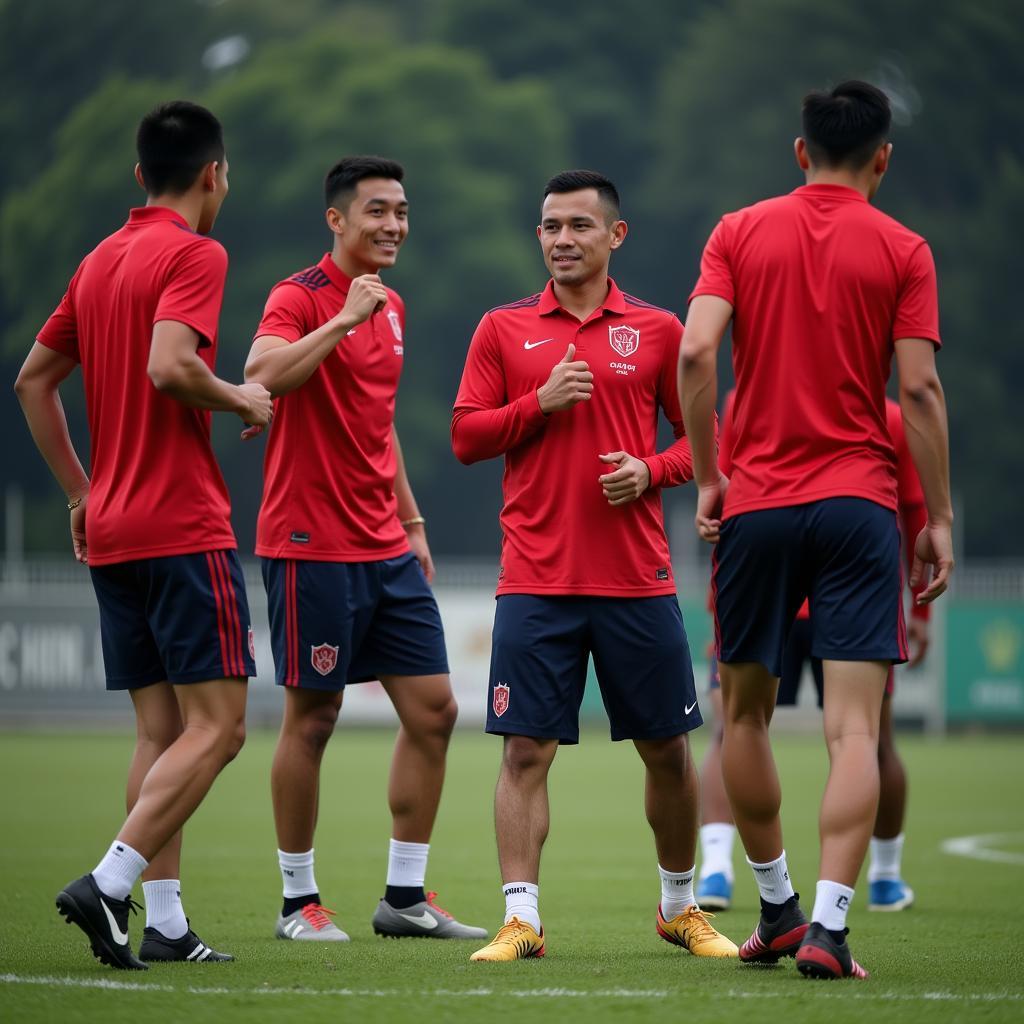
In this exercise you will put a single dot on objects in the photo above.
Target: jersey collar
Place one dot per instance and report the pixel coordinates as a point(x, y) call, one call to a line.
point(338, 277)
point(832, 191)
point(155, 214)
point(613, 301)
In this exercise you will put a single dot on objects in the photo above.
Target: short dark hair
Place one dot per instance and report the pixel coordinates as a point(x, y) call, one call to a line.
point(175, 142)
point(576, 181)
point(844, 127)
point(342, 179)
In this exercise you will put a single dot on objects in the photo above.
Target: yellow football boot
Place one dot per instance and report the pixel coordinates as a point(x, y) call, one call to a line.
point(692, 930)
point(515, 941)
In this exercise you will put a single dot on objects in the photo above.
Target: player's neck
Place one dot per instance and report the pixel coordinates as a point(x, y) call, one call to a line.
point(859, 182)
point(581, 300)
point(188, 206)
point(349, 266)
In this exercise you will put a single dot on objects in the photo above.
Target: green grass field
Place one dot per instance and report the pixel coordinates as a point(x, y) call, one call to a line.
point(956, 956)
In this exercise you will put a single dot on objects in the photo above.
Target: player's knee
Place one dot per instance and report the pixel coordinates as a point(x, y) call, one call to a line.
point(667, 757)
point(317, 727)
point(524, 756)
point(446, 717)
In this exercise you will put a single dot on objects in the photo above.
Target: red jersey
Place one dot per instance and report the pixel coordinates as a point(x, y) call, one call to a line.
point(156, 489)
point(560, 534)
point(821, 284)
point(329, 472)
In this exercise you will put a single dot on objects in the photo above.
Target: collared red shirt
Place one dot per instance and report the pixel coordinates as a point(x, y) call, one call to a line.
point(156, 489)
point(329, 470)
point(560, 534)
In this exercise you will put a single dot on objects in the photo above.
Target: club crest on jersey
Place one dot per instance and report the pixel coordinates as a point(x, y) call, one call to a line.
point(324, 658)
point(500, 700)
point(396, 324)
point(625, 340)
point(252, 644)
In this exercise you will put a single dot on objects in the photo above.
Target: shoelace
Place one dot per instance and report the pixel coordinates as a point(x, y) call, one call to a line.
point(431, 896)
point(698, 922)
point(132, 905)
point(509, 932)
point(319, 917)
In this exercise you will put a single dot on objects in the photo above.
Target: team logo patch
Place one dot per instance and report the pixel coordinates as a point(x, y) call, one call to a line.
point(252, 644)
point(625, 340)
point(396, 324)
point(324, 658)
point(500, 700)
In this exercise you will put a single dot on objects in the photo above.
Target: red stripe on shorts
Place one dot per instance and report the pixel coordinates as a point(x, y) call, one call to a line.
point(291, 625)
point(219, 601)
point(234, 617)
point(225, 587)
point(714, 602)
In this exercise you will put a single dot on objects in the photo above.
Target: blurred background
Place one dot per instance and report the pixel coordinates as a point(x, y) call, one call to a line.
point(691, 107)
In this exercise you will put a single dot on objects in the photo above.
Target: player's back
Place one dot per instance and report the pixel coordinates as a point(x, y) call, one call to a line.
point(155, 486)
point(821, 285)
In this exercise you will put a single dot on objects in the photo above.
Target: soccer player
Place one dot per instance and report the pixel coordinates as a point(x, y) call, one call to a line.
point(822, 290)
point(153, 522)
point(345, 557)
point(887, 890)
point(566, 385)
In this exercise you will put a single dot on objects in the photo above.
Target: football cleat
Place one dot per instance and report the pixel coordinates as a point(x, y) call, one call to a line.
point(693, 931)
point(821, 956)
point(714, 892)
point(157, 947)
point(773, 940)
point(103, 919)
point(890, 894)
point(515, 940)
point(424, 920)
point(311, 923)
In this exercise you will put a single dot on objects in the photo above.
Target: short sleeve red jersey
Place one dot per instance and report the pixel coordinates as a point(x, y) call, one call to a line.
point(156, 489)
point(329, 472)
point(560, 534)
point(821, 285)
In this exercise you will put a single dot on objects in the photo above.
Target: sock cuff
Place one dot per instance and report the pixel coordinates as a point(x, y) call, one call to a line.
point(159, 885)
point(522, 888)
point(295, 860)
point(768, 863)
point(676, 875)
point(402, 849)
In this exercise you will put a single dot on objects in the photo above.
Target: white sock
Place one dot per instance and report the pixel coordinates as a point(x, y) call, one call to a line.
point(297, 874)
point(407, 863)
point(521, 900)
point(716, 841)
point(119, 870)
point(676, 892)
point(164, 911)
point(831, 902)
point(886, 857)
point(772, 879)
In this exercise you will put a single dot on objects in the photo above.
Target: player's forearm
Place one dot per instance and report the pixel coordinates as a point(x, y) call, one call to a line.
point(407, 507)
point(479, 434)
point(190, 381)
point(924, 418)
point(286, 367)
point(673, 466)
point(697, 397)
point(48, 425)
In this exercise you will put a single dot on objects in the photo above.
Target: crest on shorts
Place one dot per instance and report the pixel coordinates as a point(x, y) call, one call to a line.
point(500, 699)
point(625, 340)
point(396, 324)
point(324, 658)
point(252, 644)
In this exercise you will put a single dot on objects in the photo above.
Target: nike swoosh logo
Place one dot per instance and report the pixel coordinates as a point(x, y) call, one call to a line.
point(120, 937)
point(424, 920)
point(686, 711)
point(533, 344)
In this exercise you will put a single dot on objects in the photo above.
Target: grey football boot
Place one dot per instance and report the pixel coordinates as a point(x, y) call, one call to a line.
point(311, 923)
point(422, 920)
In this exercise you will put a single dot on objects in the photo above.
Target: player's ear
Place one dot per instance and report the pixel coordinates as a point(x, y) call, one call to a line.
point(882, 158)
point(803, 161)
point(335, 220)
point(619, 231)
point(139, 178)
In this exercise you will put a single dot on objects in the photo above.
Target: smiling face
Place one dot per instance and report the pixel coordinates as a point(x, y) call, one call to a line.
point(577, 236)
point(370, 229)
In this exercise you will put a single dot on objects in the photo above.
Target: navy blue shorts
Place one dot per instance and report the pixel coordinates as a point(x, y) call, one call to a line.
point(842, 553)
point(539, 655)
point(178, 619)
point(334, 623)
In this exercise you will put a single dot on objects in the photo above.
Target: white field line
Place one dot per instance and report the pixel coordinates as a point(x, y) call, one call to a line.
point(979, 847)
point(821, 992)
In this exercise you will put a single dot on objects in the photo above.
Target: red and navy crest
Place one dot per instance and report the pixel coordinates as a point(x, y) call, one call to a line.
point(625, 340)
point(324, 658)
point(500, 699)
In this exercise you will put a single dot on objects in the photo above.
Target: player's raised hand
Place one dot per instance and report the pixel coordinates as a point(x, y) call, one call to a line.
point(570, 383)
point(710, 499)
point(627, 481)
point(366, 296)
point(256, 409)
point(934, 548)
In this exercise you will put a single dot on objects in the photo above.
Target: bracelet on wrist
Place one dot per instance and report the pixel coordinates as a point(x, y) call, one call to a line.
point(72, 505)
point(415, 521)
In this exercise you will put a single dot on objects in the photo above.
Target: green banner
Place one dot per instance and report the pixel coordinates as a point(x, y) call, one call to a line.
point(985, 662)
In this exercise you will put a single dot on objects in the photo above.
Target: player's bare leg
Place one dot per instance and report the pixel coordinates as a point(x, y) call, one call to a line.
point(714, 801)
point(671, 800)
point(892, 777)
point(213, 721)
point(427, 712)
point(521, 811)
point(717, 829)
point(306, 727)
